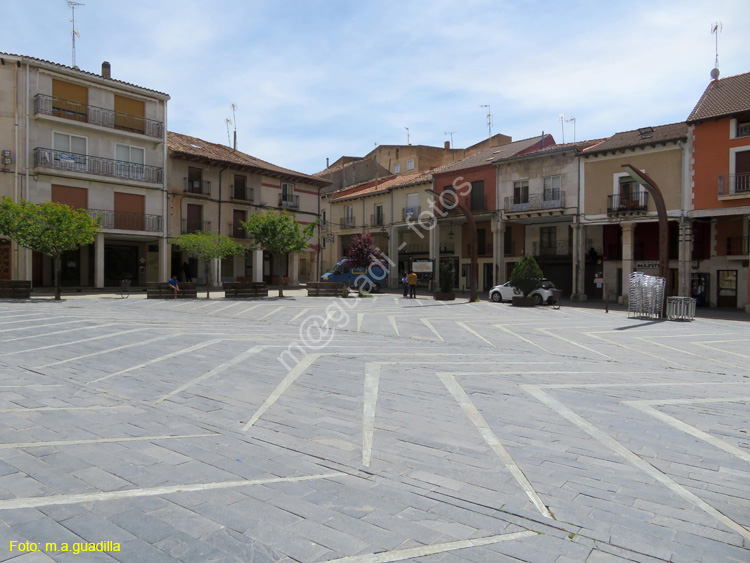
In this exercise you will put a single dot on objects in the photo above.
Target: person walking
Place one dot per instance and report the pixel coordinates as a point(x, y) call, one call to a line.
point(412, 285)
point(405, 284)
point(174, 284)
point(187, 271)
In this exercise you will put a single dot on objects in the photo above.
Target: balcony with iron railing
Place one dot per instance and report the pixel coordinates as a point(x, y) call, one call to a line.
point(377, 220)
point(289, 201)
point(189, 226)
point(126, 221)
point(627, 203)
point(735, 184)
point(198, 187)
point(550, 200)
point(325, 226)
point(348, 222)
point(561, 248)
point(482, 249)
point(411, 213)
point(242, 193)
point(738, 246)
point(478, 203)
point(87, 164)
point(77, 111)
point(237, 231)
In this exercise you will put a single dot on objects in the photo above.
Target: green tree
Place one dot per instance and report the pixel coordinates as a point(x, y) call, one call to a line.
point(280, 234)
point(527, 275)
point(446, 277)
point(48, 227)
point(208, 246)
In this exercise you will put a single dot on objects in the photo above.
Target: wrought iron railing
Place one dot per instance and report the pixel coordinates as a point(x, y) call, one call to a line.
point(411, 213)
point(68, 109)
point(325, 226)
point(237, 231)
point(289, 201)
point(348, 222)
point(124, 220)
point(243, 193)
point(189, 226)
point(377, 220)
point(482, 249)
point(200, 187)
point(87, 164)
point(627, 203)
point(561, 248)
point(738, 246)
point(550, 199)
point(732, 184)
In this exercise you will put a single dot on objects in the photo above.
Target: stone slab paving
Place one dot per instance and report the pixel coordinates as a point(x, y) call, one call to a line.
point(364, 430)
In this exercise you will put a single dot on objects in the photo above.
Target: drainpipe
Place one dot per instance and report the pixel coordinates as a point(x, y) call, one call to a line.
point(165, 204)
point(218, 261)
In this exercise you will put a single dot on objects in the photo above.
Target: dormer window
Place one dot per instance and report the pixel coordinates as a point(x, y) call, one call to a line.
point(743, 127)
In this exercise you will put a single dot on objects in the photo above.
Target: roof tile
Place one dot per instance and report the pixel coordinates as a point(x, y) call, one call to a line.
point(723, 97)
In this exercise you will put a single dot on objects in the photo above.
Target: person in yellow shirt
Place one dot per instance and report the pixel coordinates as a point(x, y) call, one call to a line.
point(412, 284)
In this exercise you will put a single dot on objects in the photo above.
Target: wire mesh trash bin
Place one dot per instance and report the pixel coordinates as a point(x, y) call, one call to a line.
point(680, 308)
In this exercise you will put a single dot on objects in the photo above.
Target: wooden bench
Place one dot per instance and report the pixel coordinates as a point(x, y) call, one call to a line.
point(327, 289)
point(243, 290)
point(15, 289)
point(162, 290)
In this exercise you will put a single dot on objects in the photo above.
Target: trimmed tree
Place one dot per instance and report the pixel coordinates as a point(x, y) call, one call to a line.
point(527, 275)
point(280, 234)
point(208, 246)
point(48, 227)
point(446, 277)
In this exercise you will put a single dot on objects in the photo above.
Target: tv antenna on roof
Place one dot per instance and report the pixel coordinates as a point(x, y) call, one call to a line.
point(715, 30)
point(489, 118)
point(73, 5)
point(573, 119)
point(562, 126)
point(234, 122)
point(229, 139)
point(408, 139)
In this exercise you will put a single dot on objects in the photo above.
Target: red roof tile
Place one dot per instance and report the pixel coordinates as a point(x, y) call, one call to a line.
point(723, 97)
point(642, 137)
point(194, 148)
point(499, 152)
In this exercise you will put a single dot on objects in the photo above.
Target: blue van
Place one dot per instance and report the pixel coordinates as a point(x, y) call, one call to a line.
point(370, 279)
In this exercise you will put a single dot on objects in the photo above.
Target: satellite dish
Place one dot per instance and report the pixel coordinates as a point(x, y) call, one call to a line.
point(715, 73)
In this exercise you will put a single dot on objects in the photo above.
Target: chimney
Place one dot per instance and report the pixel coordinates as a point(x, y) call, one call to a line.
point(327, 163)
point(447, 145)
point(106, 70)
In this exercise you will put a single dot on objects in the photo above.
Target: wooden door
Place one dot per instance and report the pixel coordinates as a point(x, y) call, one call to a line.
point(726, 288)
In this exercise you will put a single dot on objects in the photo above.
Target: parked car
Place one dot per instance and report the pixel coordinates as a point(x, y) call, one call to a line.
point(506, 292)
point(372, 278)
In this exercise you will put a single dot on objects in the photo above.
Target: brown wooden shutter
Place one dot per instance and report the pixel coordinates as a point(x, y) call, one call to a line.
point(129, 211)
point(129, 114)
point(77, 198)
point(70, 100)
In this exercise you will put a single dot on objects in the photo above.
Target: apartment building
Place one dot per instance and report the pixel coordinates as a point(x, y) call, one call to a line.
point(94, 143)
point(215, 188)
point(720, 215)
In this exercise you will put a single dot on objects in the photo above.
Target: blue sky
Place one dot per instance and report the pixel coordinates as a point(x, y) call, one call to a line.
point(314, 79)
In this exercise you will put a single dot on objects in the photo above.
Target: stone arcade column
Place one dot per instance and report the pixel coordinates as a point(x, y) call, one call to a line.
point(498, 254)
point(393, 274)
point(99, 260)
point(686, 256)
point(257, 265)
point(628, 261)
point(579, 263)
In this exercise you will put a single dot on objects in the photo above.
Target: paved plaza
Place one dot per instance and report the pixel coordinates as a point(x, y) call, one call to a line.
point(371, 430)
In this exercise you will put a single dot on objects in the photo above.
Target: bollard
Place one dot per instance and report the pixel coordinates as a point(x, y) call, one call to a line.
point(606, 302)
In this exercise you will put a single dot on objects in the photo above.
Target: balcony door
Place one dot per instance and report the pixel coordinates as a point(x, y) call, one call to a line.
point(194, 220)
point(727, 288)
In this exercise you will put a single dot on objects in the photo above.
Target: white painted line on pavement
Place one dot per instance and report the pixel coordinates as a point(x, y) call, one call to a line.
point(707, 344)
point(42, 324)
point(550, 333)
point(372, 382)
point(95, 327)
point(428, 324)
point(291, 377)
point(276, 310)
point(413, 552)
point(75, 341)
point(464, 326)
point(246, 310)
point(108, 350)
point(93, 408)
point(392, 319)
point(632, 458)
point(506, 329)
point(645, 406)
point(34, 502)
point(159, 359)
point(632, 349)
point(215, 371)
point(681, 351)
point(329, 316)
point(360, 318)
point(226, 307)
point(298, 315)
point(476, 418)
point(101, 441)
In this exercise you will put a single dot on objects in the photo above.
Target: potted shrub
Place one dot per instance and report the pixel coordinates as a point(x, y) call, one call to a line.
point(445, 291)
point(525, 277)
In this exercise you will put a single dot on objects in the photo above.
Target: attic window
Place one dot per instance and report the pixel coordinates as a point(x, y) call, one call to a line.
point(195, 146)
point(646, 132)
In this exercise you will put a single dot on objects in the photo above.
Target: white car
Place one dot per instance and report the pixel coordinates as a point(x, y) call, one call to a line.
point(506, 292)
